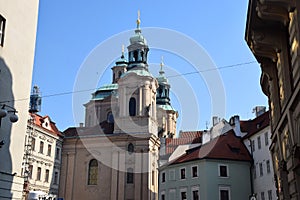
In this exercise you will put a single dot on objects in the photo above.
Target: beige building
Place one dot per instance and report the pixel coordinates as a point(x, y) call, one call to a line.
point(18, 23)
point(42, 156)
point(115, 156)
point(272, 33)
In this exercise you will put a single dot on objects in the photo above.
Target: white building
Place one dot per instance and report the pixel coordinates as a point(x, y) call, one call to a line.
point(18, 22)
point(257, 138)
point(42, 157)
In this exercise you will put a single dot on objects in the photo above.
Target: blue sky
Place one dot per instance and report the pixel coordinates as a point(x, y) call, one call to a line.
point(70, 31)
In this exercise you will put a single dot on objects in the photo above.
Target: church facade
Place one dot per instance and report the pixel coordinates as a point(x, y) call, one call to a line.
point(115, 155)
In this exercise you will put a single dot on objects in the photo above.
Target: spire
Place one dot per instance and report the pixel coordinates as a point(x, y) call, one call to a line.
point(138, 21)
point(123, 50)
point(161, 72)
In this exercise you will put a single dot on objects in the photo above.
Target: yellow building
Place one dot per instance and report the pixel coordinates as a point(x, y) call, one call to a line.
point(18, 23)
point(272, 33)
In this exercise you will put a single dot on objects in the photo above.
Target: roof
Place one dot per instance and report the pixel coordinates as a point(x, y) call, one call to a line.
point(255, 125)
point(139, 72)
point(166, 107)
point(190, 137)
point(104, 91)
point(225, 147)
point(39, 120)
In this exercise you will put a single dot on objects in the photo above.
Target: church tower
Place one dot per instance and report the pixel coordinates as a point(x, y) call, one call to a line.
point(136, 112)
point(166, 114)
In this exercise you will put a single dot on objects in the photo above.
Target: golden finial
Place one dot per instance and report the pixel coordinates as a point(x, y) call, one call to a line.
point(138, 21)
point(123, 50)
point(161, 63)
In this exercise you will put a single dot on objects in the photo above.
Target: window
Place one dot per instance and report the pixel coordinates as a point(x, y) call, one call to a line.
point(55, 182)
point(132, 107)
point(261, 173)
point(195, 171)
point(183, 195)
point(266, 138)
point(30, 171)
point(129, 175)
point(41, 147)
point(268, 166)
point(32, 144)
point(258, 142)
point(224, 193)
point(262, 196)
point(2, 29)
point(119, 74)
point(57, 153)
point(195, 195)
point(38, 174)
point(253, 145)
point(130, 148)
point(163, 177)
point(49, 150)
point(163, 197)
point(47, 175)
point(93, 172)
point(269, 194)
point(223, 171)
point(182, 173)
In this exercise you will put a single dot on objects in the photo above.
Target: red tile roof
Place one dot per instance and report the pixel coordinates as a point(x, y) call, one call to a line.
point(255, 125)
point(39, 120)
point(188, 137)
point(227, 146)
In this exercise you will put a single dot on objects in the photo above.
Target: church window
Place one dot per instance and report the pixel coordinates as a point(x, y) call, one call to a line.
point(110, 117)
point(114, 77)
point(130, 148)
point(93, 172)
point(129, 175)
point(132, 106)
point(119, 74)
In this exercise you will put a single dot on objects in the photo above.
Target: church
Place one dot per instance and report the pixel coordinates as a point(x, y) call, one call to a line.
point(115, 155)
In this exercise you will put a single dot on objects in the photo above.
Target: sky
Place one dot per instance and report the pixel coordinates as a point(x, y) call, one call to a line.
point(78, 42)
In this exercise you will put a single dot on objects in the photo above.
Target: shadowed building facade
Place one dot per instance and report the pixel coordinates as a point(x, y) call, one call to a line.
point(272, 33)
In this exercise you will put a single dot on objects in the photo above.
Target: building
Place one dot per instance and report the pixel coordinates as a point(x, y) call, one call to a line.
point(219, 169)
point(42, 156)
point(257, 138)
point(114, 156)
point(18, 23)
point(272, 33)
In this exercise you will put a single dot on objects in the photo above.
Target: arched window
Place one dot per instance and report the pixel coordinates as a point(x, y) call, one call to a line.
point(136, 55)
point(132, 107)
point(93, 172)
point(110, 117)
point(129, 176)
point(130, 148)
point(120, 74)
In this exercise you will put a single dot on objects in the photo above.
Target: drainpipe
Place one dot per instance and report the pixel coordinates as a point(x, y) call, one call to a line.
point(251, 166)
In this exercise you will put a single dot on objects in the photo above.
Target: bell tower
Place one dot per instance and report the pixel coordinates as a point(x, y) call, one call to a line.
point(137, 91)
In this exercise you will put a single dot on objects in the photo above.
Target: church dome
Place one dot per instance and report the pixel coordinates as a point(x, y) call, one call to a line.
point(138, 38)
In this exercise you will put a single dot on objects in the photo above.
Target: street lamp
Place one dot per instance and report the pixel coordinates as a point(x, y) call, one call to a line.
point(5, 110)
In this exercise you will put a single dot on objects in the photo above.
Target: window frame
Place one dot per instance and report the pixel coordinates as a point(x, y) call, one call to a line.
point(163, 177)
point(224, 188)
point(183, 191)
point(180, 173)
point(268, 164)
point(47, 173)
point(261, 169)
point(132, 107)
point(39, 174)
point(49, 150)
point(93, 167)
point(195, 188)
point(41, 150)
point(266, 138)
point(32, 143)
point(129, 176)
point(219, 170)
point(259, 142)
point(192, 171)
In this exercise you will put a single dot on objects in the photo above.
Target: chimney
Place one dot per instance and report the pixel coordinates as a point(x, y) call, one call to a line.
point(259, 110)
